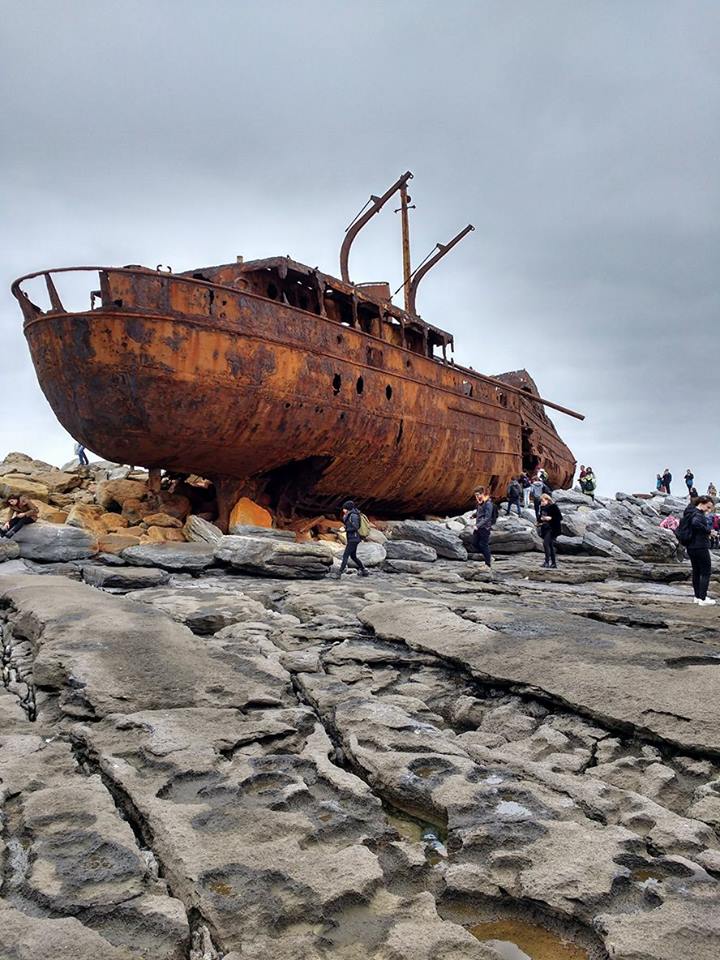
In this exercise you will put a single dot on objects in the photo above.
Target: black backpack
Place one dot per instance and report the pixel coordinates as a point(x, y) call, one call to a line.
point(684, 531)
point(495, 513)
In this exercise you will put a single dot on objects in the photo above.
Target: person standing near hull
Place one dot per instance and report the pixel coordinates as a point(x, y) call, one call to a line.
point(698, 522)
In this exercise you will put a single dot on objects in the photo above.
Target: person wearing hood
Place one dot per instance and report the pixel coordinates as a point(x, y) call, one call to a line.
point(698, 517)
point(351, 520)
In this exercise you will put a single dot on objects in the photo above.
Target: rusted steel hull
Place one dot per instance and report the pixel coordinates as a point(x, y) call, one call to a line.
point(226, 384)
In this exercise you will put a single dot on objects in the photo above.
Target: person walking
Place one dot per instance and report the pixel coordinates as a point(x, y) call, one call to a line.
point(22, 513)
point(694, 531)
point(483, 524)
point(712, 489)
point(549, 521)
point(351, 521)
point(667, 479)
point(581, 477)
point(514, 492)
point(537, 489)
point(81, 455)
point(689, 480)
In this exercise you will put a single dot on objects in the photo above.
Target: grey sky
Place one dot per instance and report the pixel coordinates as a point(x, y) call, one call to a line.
point(581, 138)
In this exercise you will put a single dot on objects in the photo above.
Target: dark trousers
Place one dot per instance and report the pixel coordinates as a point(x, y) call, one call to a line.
point(83, 458)
point(549, 545)
point(15, 525)
point(481, 544)
point(701, 569)
point(536, 504)
point(511, 504)
point(351, 554)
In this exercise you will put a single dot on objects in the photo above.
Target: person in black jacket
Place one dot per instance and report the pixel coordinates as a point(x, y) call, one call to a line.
point(514, 493)
point(698, 514)
point(351, 519)
point(483, 524)
point(667, 479)
point(550, 520)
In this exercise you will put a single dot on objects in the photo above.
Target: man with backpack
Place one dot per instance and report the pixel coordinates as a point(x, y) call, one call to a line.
point(514, 493)
point(694, 534)
point(355, 530)
point(484, 518)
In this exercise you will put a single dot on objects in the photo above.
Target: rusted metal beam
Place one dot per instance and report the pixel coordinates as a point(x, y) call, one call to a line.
point(428, 265)
point(377, 203)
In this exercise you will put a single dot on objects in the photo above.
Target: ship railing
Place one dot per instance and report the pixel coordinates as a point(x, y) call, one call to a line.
point(30, 309)
point(156, 281)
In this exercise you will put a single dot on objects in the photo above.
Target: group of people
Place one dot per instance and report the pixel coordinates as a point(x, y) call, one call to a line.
point(587, 481)
point(547, 514)
point(664, 479)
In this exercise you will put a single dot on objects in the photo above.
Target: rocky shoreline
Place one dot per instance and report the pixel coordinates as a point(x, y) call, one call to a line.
point(210, 749)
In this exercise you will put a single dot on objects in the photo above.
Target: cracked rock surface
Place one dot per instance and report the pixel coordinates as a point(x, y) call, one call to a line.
point(223, 766)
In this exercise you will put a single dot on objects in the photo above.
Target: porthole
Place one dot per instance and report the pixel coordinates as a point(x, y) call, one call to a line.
point(360, 385)
point(339, 338)
point(272, 291)
point(337, 383)
point(388, 392)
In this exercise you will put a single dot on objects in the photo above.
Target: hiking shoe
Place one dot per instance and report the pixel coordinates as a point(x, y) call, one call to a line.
point(365, 573)
point(708, 602)
point(553, 566)
point(697, 600)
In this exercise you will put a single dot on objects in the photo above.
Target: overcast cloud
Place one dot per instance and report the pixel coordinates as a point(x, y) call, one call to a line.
point(581, 138)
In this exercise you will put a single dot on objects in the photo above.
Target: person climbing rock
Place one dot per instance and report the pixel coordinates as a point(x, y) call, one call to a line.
point(22, 512)
point(351, 520)
point(550, 521)
point(537, 489)
point(81, 455)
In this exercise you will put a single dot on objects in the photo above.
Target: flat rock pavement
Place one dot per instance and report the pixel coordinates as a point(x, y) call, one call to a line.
point(238, 767)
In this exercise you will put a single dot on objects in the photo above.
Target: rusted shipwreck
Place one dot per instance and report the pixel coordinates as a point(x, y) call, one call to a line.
point(280, 382)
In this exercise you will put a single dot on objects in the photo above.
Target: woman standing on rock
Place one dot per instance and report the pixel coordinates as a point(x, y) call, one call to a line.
point(694, 534)
point(550, 521)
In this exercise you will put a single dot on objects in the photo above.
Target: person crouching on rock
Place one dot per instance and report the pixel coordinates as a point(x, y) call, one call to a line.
point(22, 512)
point(351, 519)
point(549, 521)
point(698, 516)
point(483, 524)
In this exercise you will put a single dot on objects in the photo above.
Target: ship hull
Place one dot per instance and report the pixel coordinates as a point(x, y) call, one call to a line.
point(225, 384)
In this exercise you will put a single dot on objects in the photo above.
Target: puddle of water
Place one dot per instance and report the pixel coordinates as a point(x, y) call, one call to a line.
point(518, 940)
point(510, 810)
point(643, 874)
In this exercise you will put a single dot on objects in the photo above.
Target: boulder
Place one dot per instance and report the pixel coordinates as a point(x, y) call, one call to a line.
point(409, 550)
point(134, 511)
point(115, 543)
point(170, 556)
point(9, 550)
point(112, 494)
point(597, 547)
point(124, 578)
point(511, 534)
point(164, 535)
point(633, 532)
point(113, 522)
point(571, 545)
point(52, 543)
point(198, 530)
point(162, 520)
point(57, 481)
point(247, 512)
point(436, 535)
point(87, 516)
point(371, 554)
point(274, 558)
point(572, 496)
point(244, 530)
point(20, 485)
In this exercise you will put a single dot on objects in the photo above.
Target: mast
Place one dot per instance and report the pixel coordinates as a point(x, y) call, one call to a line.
point(404, 199)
